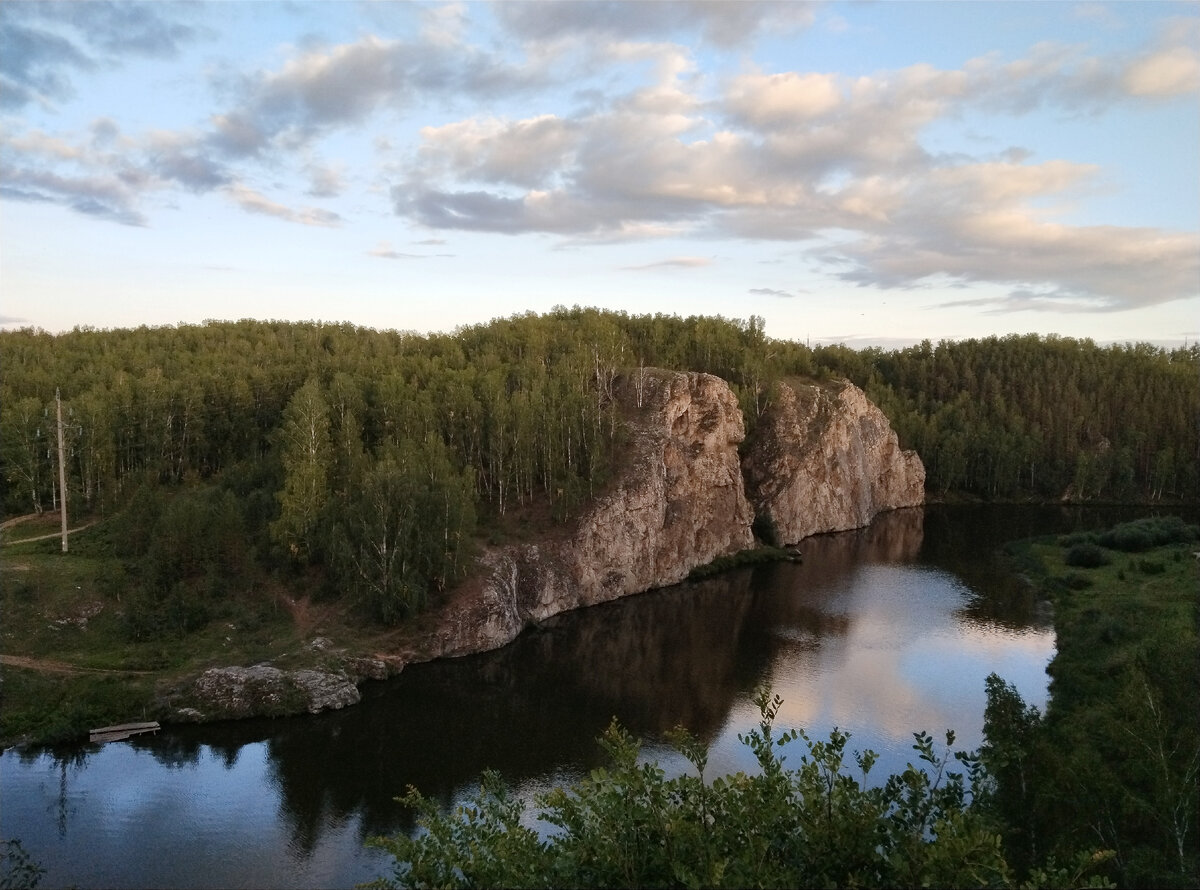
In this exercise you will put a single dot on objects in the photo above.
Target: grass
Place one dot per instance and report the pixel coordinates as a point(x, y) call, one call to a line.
point(753, 556)
point(1134, 608)
point(71, 663)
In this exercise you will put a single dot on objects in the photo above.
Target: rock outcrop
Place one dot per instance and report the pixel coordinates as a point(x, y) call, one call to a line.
point(825, 459)
point(230, 693)
point(678, 502)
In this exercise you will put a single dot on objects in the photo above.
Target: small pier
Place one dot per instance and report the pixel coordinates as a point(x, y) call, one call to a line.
point(122, 731)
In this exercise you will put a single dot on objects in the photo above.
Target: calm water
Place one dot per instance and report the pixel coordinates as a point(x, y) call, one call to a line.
point(880, 632)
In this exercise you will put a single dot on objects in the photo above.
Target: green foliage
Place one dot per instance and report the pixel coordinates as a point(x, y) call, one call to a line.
point(1116, 758)
point(291, 417)
point(1151, 566)
point(628, 826)
point(18, 871)
point(1086, 556)
point(1043, 417)
point(50, 710)
point(1153, 531)
point(307, 456)
point(181, 550)
point(405, 530)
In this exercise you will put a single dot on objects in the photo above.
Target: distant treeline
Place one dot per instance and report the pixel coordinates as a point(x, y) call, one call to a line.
point(316, 428)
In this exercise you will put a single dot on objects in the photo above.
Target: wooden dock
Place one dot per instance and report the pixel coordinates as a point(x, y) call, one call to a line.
point(123, 731)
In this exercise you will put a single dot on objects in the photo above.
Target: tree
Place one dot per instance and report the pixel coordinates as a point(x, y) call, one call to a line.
point(307, 455)
point(405, 532)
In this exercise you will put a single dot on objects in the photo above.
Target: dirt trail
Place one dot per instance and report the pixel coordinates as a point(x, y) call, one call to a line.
point(49, 666)
point(53, 534)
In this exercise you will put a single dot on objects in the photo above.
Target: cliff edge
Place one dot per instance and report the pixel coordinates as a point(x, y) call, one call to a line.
point(825, 459)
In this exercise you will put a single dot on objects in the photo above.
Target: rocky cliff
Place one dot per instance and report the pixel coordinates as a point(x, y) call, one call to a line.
point(678, 502)
point(825, 459)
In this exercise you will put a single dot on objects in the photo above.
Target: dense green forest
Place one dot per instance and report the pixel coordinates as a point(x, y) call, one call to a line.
point(385, 455)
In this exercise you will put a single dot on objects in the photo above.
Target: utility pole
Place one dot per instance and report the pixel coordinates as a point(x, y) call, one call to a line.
point(62, 471)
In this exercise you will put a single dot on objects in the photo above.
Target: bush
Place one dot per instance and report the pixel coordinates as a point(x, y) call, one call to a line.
point(1154, 531)
point(1086, 556)
point(819, 825)
point(1128, 539)
point(1076, 581)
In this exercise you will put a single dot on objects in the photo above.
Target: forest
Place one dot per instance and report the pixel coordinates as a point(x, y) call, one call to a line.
point(376, 461)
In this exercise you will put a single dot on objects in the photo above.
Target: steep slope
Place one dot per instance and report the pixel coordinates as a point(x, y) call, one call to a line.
point(825, 459)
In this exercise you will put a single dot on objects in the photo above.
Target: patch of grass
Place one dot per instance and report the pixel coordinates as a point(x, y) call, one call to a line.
point(50, 708)
point(72, 611)
point(753, 556)
point(1128, 609)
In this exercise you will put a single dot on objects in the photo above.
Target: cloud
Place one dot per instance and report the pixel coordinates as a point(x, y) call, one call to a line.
point(47, 44)
point(1169, 72)
point(771, 292)
point(723, 23)
point(127, 28)
point(36, 64)
point(524, 152)
point(326, 87)
point(325, 181)
point(187, 166)
point(103, 196)
point(1092, 268)
point(255, 202)
point(685, 262)
point(827, 159)
point(384, 250)
point(781, 99)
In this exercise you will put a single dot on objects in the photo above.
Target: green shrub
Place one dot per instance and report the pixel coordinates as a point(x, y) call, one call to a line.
point(1076, 581)
point(1086, 556)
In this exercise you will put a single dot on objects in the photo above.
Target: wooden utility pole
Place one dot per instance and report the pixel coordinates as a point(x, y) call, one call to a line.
point(62, 471)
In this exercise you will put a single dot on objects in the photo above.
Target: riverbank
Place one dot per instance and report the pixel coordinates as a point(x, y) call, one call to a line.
point(70, 665)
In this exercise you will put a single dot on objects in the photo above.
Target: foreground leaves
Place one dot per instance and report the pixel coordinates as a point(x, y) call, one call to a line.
point(629, 826)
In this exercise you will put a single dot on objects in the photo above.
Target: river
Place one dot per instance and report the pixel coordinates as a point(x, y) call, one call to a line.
point(880, 632)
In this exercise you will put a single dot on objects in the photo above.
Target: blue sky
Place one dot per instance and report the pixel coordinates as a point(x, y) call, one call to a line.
point(867, 172)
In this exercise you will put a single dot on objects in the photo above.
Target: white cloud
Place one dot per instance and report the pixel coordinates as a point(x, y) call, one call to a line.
point(685, 262)
point(1169, 72)
point(525, 152)
point(771, 292)
point(255, 202)
point(782, 99)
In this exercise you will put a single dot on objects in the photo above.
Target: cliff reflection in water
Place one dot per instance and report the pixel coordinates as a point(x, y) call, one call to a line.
point(679, 656)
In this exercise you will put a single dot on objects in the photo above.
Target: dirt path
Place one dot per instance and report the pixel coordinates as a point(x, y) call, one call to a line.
point(49, 666)
point(57, 534)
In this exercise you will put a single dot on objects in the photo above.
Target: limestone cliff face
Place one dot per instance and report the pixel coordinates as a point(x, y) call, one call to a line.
point(825, 459)
point(677, 503)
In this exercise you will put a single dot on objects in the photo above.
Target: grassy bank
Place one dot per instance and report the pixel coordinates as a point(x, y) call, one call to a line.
point(1116, 758)
point(75, 654)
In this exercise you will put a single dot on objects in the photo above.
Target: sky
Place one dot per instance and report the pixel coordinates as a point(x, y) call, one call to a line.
point(872, 173)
